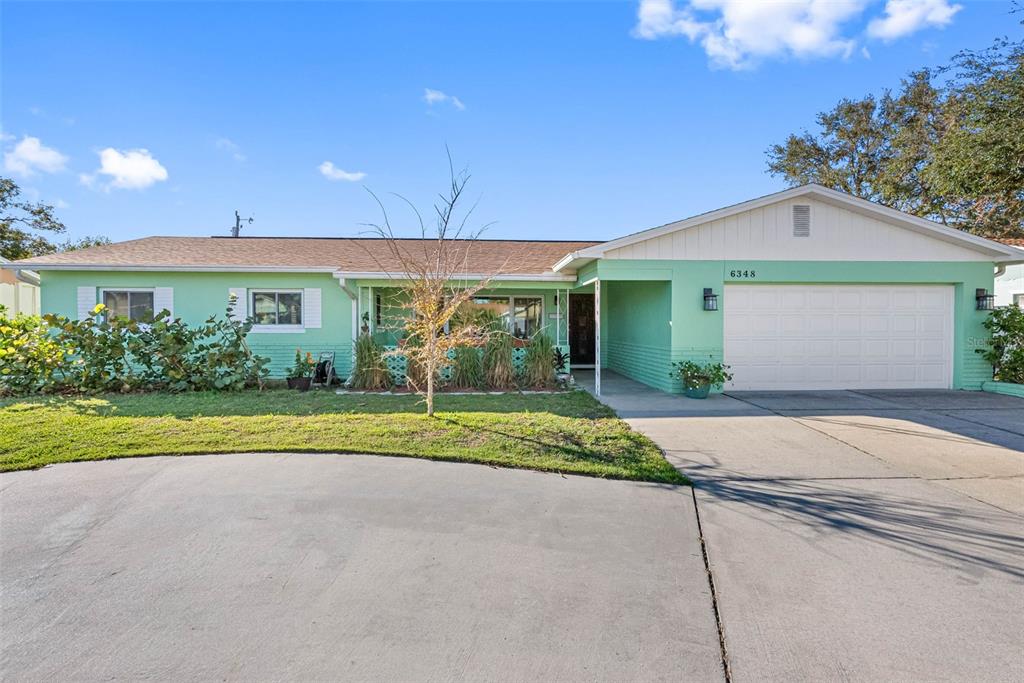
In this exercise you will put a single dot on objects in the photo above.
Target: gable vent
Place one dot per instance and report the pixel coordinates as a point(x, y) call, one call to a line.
point(801, 220)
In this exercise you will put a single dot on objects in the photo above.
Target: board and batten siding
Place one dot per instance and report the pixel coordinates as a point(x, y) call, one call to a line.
point(766, 233)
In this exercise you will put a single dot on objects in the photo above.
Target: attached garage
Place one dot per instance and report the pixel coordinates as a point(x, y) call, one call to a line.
point(808, 288)
point(839, 336)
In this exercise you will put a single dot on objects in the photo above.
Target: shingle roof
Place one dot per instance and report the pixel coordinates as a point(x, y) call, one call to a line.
point(1012, 241)
point(354, 255)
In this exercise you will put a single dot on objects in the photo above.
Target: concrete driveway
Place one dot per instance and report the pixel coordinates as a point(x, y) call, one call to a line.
point(866, 536)
point(320, 567)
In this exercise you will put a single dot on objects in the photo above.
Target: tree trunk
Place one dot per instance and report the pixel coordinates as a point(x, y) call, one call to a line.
point(430, 377)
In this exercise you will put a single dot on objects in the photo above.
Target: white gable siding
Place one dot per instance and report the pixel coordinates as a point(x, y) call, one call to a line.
point(766, 233)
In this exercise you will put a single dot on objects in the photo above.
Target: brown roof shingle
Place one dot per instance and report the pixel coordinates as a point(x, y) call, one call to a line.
point(320, 253)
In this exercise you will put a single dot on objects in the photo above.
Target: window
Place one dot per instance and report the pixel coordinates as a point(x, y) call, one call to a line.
point(1019, 300)
point(277, 308)
point(134, 304)
point(520, 315)
point(378, 309)
point(526, 316)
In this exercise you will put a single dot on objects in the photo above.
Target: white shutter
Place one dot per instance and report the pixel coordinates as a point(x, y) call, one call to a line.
point(239, 310)
point(163, 298)
point(86, 301)
point(311, 316)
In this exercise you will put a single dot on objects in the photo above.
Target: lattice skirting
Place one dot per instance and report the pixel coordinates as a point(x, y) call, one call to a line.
point(396, 363)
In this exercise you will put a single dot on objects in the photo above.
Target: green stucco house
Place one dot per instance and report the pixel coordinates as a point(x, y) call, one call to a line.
point(803, 289)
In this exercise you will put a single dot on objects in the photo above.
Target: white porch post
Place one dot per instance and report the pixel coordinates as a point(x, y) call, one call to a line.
point(597, 337)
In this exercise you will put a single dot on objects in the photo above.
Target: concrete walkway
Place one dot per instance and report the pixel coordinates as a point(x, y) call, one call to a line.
point(868, 536)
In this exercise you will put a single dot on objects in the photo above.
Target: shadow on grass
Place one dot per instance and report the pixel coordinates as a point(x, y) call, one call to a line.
point(282, 402)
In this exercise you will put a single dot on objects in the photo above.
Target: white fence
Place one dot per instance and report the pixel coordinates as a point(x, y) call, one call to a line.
point(19, 298)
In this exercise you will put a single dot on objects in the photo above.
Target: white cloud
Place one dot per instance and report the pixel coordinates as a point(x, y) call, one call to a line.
point(31, 156)
point(903, 17)
point(332, 172)
point(231, 147)
point(432, 97)
point(739, 34)
point(132, 169)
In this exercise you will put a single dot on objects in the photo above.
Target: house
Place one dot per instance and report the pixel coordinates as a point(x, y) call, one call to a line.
point(19, 290)
point(1010, 284)
point(803, 289)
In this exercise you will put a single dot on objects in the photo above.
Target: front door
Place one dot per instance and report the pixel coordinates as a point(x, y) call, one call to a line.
point(581, 329)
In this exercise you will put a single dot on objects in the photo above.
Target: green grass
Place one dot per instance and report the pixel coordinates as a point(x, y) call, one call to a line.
point(567, 432)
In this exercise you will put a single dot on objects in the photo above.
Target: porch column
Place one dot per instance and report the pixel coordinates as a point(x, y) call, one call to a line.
point(597, 337)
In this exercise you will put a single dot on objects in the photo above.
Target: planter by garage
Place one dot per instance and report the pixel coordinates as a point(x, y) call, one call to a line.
point(700, 391)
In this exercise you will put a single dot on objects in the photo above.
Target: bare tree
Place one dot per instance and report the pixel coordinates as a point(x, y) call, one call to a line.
point(431, 278)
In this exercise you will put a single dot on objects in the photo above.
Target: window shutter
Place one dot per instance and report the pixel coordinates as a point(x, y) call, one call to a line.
point(163, 298)
point(311, 315)
point(86, 301)
point(240, 308)
point(801, 220)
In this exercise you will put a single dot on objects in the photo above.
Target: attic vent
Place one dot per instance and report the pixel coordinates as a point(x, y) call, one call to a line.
point(801, 220)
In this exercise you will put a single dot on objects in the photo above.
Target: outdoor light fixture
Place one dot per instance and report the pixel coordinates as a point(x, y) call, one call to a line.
point(986, 301)
point(710, 300)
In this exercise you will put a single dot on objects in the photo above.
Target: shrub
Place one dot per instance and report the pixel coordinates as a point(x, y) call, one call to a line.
point(371, 372)
point(498, 367)
point(30, 356)
point(467, 368)
point(538, 368)
point(104, 353)
point(1005, 350)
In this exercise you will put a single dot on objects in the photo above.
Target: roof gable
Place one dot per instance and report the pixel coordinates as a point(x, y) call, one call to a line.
point(889, 234)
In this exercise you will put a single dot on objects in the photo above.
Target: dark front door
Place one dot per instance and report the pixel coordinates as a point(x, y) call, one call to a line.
point(581, 329)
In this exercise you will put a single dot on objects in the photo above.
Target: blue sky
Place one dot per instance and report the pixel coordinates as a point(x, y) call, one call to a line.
point(576, 120)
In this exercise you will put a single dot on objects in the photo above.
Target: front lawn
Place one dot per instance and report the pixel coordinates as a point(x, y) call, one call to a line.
point(569, 432)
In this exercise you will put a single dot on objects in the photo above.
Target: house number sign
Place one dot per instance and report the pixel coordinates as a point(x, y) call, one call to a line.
point(742, 274)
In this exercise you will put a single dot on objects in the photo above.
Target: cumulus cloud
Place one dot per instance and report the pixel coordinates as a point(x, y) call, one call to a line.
point(903, 17)
point(739, 34)
point(232, 148)
point(132, 169)
point(332, 172)
point(31, 156)
point(432, 97)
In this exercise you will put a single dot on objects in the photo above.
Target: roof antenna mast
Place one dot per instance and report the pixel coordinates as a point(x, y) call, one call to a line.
point(238, 223)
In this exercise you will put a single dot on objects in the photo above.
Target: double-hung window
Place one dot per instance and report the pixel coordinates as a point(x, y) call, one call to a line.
point(277, 307)
point(133, 304)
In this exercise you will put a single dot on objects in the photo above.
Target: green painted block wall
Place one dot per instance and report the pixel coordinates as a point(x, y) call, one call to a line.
point(698, 334)
point(638, 335)
point(197, 296)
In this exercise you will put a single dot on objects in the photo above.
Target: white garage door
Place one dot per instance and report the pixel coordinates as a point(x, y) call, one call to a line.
point(839, 336)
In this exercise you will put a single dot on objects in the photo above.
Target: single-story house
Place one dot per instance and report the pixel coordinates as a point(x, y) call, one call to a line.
point(1010, 282)
point(803, 289)
point(19, 290)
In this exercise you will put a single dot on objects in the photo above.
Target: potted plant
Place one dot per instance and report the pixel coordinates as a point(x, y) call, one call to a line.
point(699, 378)
point(300, 374)
point(560, 361)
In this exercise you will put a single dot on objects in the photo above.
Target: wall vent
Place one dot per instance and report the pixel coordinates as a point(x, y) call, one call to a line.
point(801, 220)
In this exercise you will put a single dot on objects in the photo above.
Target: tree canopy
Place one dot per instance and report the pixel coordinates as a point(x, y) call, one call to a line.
point(948, 145)
point(21, 223)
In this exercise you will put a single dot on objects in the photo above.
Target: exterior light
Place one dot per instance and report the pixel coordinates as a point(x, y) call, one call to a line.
point(985, 301)
point(710, 300)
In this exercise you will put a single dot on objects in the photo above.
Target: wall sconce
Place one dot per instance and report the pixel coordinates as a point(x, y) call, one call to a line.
point(710, 300)
point(985, 301)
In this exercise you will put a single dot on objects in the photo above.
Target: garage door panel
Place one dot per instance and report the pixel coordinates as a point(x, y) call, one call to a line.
point(838, 336)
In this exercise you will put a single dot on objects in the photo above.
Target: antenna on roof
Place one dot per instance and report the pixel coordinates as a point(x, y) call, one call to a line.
point(238, 224)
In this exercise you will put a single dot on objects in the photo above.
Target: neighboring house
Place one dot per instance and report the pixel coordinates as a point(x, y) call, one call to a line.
point(1010, 285)
point(803, 289)
point(19, 290)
